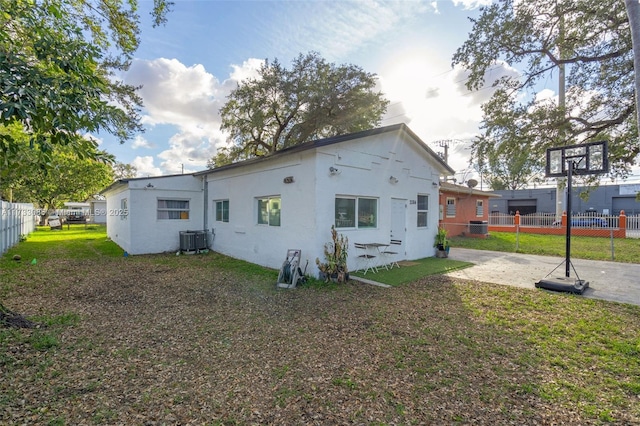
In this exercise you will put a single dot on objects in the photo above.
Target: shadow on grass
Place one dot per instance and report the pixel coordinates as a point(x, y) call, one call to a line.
point(414, 270)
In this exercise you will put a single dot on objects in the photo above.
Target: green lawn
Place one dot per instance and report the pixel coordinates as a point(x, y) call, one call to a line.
point(623, 250)
point(206, 339)
point(414, 270)
point(73, 241)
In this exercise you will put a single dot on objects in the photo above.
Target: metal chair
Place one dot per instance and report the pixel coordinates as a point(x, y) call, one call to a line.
point(390, 255)
point(365, 257)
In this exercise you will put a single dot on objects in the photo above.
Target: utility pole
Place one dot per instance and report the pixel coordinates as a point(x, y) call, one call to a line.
point(560, 201)
point(444, 143)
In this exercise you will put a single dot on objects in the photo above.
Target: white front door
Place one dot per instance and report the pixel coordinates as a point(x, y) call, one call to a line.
point(399, 224)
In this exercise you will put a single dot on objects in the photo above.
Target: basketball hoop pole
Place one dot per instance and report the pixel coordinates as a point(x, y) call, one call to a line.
point(565, 284)
point(568, 238)
point(584, 159)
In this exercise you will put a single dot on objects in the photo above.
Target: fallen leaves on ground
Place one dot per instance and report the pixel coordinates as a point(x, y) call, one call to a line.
point(184, 342)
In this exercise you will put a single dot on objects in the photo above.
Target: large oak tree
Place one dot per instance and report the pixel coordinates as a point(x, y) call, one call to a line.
point(58, 60)
point(590, 42)
point(285, 107)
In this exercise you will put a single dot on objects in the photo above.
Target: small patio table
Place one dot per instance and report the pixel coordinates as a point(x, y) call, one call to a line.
point(380, 248)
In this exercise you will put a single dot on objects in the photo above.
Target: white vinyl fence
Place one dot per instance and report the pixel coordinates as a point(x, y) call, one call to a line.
point(633, 226)
point(16, 219)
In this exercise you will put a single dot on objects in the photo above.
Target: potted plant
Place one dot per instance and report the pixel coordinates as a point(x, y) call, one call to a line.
point(335, 253)
point(441, 243)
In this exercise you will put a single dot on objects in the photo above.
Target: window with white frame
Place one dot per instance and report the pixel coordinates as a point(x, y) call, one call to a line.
point(269, 211)
point(356, 212)
point(173, 209)
point(451, 207)
point(222, 211)
point(479, 208)
point(423, 210)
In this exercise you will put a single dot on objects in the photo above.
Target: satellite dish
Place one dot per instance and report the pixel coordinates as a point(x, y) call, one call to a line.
point(472, 183)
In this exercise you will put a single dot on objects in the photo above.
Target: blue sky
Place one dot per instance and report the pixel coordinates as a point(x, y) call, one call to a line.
point(188, 67)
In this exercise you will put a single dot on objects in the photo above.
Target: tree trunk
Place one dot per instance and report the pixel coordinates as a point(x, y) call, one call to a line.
point(9, 318)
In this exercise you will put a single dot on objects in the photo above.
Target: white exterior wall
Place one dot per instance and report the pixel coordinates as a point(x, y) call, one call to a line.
point(365, 166)
point(308, 204)
point(141, 232)
point(242, 237)
point(118, 224)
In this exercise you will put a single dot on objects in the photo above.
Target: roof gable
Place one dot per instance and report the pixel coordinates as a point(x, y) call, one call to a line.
point(444, 167)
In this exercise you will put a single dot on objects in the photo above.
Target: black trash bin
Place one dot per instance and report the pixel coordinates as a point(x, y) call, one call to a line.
point(480, 227)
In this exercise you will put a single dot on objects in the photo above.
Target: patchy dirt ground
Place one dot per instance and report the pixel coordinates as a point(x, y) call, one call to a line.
point(182, 342)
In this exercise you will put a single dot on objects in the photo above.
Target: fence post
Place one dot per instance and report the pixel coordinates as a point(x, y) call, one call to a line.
point(622, 222)
point(516, 222)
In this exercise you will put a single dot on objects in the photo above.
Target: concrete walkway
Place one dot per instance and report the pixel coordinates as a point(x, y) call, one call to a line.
point(613, 281)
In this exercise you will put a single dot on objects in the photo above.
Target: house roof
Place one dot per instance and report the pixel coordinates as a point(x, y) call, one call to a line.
point(444, 167)
point(459, 189)
point(335, 140)
point(125, 181)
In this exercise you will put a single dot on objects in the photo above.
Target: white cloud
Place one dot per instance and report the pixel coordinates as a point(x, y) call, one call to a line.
point(337, 29)
point(472, 4)
point(190, 99)
point(141, 142)
point(437, 105)
point(248, 69)
point(145, 166)
point(494, 73)
point(176, 94)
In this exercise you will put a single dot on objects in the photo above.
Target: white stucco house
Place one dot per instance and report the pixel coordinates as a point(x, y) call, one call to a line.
point(374, 186)
point(145, 215)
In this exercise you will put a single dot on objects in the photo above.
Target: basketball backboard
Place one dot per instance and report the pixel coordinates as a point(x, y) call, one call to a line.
point(588, 159)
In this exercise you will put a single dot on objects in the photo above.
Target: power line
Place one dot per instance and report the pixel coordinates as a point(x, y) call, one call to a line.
point(444, 143)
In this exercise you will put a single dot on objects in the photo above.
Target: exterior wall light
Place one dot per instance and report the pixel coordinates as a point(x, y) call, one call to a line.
point(393, 179)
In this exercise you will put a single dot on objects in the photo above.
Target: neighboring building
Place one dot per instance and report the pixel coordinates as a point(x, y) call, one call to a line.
point(81, 207)
point(374, 186)
point(98, 209)
point(464, 210)
point(605, 199)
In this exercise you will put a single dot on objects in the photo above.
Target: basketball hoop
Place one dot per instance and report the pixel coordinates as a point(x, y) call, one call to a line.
point(588, 159)
point(585, 159)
